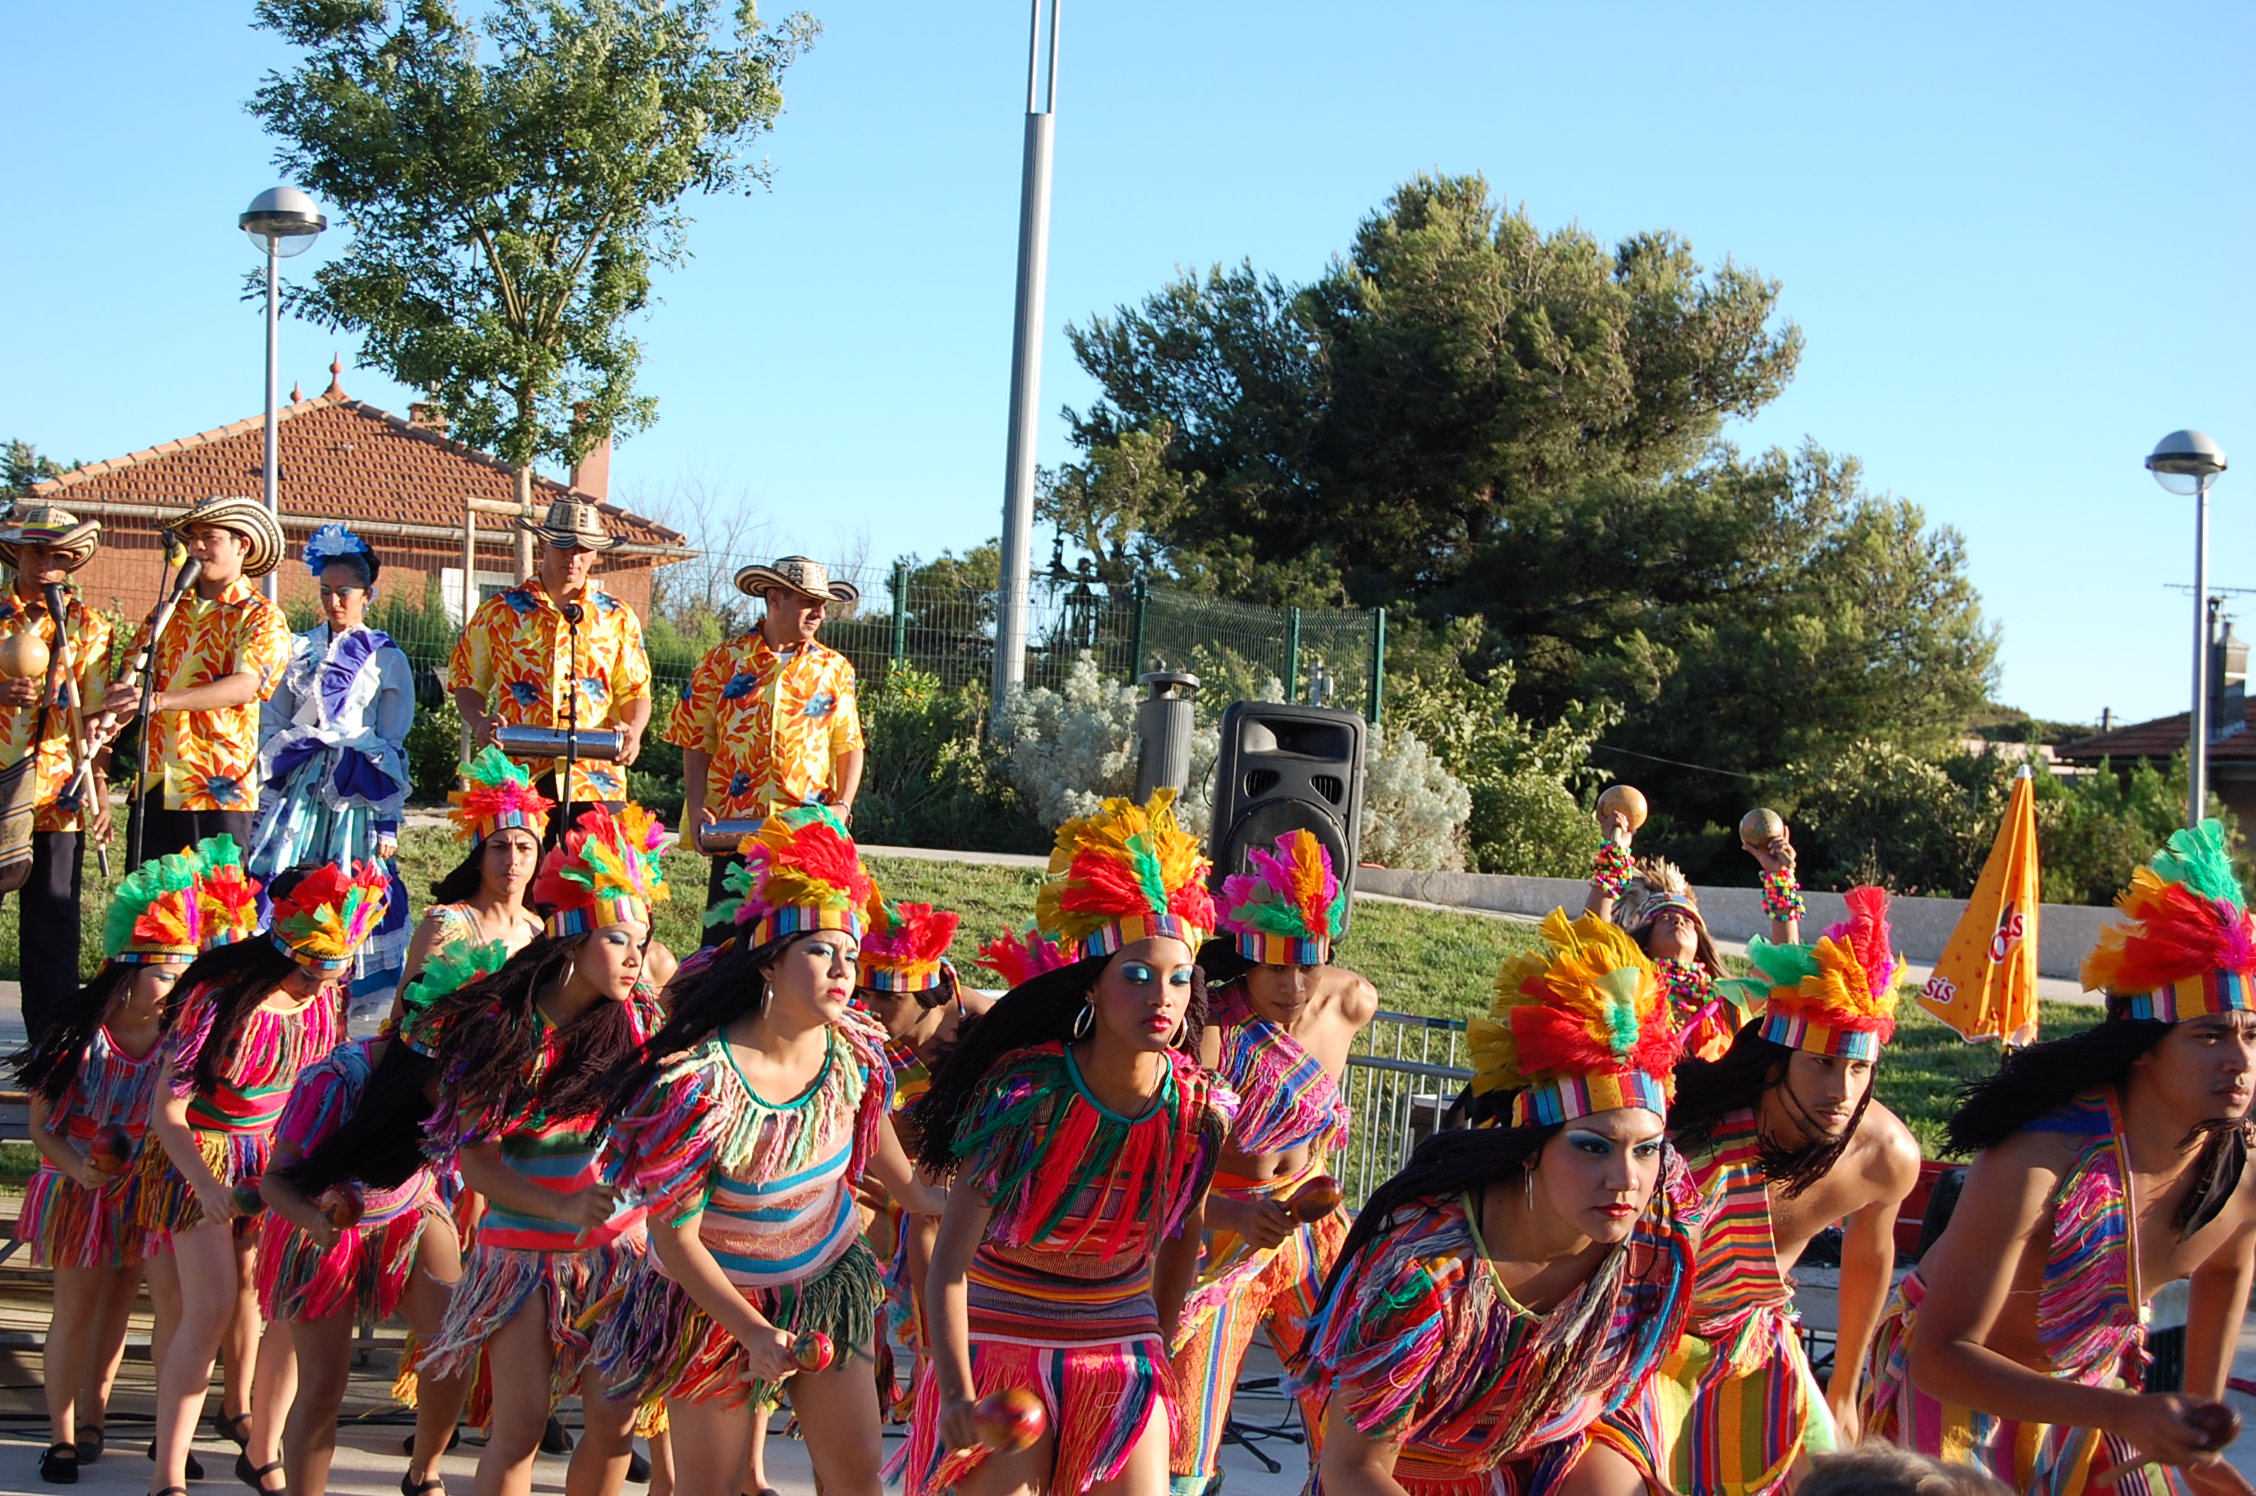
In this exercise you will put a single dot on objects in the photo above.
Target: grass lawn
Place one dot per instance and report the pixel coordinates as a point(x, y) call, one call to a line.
point(1421, 961)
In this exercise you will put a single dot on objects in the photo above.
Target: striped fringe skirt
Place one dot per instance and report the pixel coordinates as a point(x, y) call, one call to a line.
point(169, 1205)
point(659, 1343)
point(71, 1226)
point(364, 1272)
point(577, 1287)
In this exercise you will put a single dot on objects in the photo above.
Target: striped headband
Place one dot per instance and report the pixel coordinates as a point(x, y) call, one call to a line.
point(1549, 1103)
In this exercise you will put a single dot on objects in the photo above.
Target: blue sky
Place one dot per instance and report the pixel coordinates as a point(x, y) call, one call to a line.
point(2016, 237)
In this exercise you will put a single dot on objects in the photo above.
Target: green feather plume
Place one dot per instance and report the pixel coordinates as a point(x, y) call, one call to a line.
point(2198, 859)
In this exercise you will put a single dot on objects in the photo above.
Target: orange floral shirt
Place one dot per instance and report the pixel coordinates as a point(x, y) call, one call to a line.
point(774, 722)
point(517, 655)
point(90, 644)
point(209, 760)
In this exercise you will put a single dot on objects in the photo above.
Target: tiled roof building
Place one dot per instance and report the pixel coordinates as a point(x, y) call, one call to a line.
point(400, 483)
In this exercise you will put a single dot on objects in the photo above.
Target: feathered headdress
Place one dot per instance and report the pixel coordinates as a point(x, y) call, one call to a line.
point(1124, 874)
point(801, 872)
point(323, 920)
point(157, 915)
point(906, 949)
point(449, 969)
point(604, 872)
point(2188, 947)
point(226, 891)
point(334, 543)
point(1023, 955)
point(1290, 908)
point(497, 795)
point(1836, 997)
point(1655, 886)
point(1578, 1027)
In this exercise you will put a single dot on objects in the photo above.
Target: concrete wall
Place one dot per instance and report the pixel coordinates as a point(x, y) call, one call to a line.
point(2065, 932)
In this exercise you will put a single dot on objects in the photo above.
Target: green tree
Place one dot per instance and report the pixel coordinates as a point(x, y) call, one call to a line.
point(22, 465)
point(510, 182)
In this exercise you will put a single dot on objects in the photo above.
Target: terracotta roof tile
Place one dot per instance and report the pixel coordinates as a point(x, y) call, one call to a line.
point(2159, 739)
point(339, 456)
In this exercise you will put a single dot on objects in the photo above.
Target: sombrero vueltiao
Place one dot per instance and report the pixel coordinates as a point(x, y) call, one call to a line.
point(796, 574)
point(262, 537)
point(572, 524)
point(50, 525)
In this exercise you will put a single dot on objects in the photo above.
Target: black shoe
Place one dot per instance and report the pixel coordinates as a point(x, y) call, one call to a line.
point(409, 1487)
point(90, 1442)
point(59, 1465)
point(194, 1469)
point(407, 1445)
point(638, 1467)
point(235, 1430)
point(554, 1440)
point(255, 1476)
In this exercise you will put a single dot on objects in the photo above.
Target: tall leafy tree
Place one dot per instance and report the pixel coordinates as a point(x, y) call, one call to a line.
point(511, 173)
point(22, 465)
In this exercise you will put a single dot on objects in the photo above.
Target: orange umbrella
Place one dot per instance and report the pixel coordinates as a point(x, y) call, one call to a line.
point(1985, 985)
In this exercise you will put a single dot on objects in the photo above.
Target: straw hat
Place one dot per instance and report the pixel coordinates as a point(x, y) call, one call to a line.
point(572, 524)
point(52, 526)
point(796, 574)
point(248, 518)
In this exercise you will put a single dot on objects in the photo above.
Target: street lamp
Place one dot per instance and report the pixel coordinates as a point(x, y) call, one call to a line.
point(282, 221)
point(2183, 463)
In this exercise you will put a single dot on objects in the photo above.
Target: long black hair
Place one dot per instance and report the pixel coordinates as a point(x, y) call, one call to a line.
point(487, 1029)
point(1223, 962)
point(1036, 1011)
point(381, 1142)
point(236, 978)
point(709, 992)
point(2042, 1078)
point(48, 1063)
point(1446, 1164)
point(1709, 1090)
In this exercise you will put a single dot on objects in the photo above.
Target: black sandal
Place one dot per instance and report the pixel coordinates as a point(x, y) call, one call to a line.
point(193, 1469)
point(168, 1490)
point(407, 1445)
point(638, 1467)
point(254, 1476)
point(90, 1443)
point(59, 1465)
point(236, 1430)
point(554, 1438)
point(409, 1486)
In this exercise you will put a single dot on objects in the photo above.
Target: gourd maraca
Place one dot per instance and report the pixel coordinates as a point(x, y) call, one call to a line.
point(813, 1351)
point(1010, 1420)
point(1628, 800)
point(1759, 828)
point(111, 1151)
point(1314, 1200)
point(248, 1200)
point(343, 1205)
point(23, 656)
point(2215, 1423)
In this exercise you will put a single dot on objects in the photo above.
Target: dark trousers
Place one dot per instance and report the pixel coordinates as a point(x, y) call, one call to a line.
point(551, 785)
point(715, 891)
point(47, 912)
point(164, 831)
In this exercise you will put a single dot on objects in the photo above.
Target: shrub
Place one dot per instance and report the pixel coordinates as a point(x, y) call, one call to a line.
point(931, 778)
point(1067, 749)
point(1414, 809)
point(434, 751)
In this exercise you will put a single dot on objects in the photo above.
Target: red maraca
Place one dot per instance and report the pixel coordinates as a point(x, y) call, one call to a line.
point(2217, 1424)
point(343, 1205)
point(1313, 1201)
point(248, 1200)
point(812, 1351)
point(111, 1151)
point(1010, 1420)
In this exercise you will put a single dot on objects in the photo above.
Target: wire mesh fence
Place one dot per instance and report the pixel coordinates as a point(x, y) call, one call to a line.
point(1402, 1077)
point(946, 629)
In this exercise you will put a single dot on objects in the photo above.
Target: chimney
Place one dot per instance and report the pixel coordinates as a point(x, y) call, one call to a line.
point(591, 475)
point(427, 415)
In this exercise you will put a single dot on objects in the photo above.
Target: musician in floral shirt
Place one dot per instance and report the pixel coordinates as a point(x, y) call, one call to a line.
point(513, 666)
point(769, 719)
point(219, 658)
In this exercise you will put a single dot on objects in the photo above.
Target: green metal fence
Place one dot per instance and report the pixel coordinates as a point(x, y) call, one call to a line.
point(949, 631)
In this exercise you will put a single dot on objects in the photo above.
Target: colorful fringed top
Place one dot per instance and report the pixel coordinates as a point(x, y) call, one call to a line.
point(563, 1155)
point(261, 1064)
point(911, 1076)
point(2089, 1316)
point(1431, 1351)
point(1737, 1275)
point(326, 1094)
point(111, 1089)
point(1082, 1196)
point(774, 1180)
point(1286, 1099)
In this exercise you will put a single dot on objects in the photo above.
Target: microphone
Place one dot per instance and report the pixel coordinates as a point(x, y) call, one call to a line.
point(190, 569)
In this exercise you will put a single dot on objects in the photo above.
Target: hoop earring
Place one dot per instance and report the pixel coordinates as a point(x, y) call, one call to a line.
point(1084, 1021)
point(571, 970)
point(1182, 1031)
point(767, 991)
point(1527, 1184)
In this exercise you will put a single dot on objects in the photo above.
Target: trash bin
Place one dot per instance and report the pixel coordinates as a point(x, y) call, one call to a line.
point(1163, 731)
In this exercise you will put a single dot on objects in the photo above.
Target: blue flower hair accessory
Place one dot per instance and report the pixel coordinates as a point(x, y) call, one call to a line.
point(333, 543)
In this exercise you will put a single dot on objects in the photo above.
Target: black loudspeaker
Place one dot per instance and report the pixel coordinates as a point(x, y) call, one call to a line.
point(1283, 768)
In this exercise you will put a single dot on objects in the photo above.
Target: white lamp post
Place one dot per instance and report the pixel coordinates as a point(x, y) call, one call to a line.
point(2184, 462)
point(282, 221)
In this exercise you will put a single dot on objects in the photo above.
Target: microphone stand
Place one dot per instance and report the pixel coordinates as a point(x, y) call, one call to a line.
point(572, 614)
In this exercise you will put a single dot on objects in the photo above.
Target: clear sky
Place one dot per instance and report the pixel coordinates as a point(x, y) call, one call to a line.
point(2016, 236)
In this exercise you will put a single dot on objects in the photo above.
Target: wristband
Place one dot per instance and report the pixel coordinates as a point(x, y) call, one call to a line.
point(1782, 895)
point(1611, 869)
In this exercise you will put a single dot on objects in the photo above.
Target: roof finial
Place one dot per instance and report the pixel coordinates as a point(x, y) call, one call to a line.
point(297, 393)
point(336, 375)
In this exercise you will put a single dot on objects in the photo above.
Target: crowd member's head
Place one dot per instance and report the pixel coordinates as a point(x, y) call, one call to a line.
point(1805, 1065)
point(344, 567)
point(502, 816)
point(232, 537)
point(797, 593)
point(1661, 911)
point(45, 543)
point(571, 535)
point(905, 969)
point(1877, 1468)
point(1278, 924)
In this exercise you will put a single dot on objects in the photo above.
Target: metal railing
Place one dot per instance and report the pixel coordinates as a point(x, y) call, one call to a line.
point(1402, 1076)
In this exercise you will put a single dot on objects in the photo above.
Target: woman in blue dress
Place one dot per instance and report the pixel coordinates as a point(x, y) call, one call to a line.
point(333, 753)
